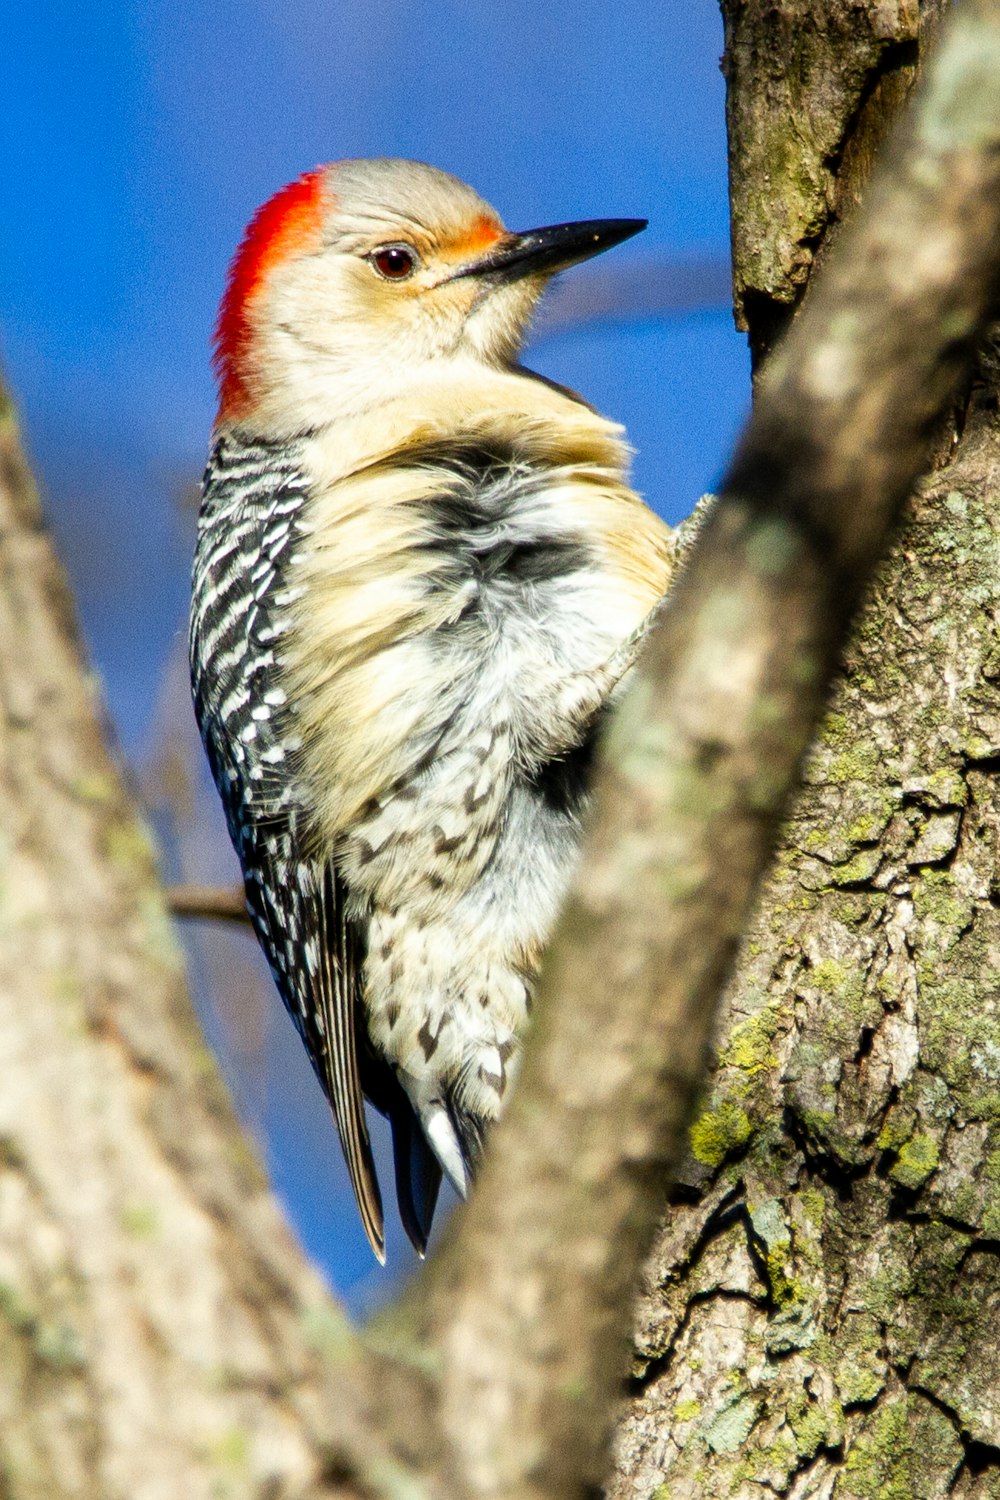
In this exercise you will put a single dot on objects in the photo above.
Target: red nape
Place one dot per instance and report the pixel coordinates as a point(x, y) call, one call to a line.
point(287, 223)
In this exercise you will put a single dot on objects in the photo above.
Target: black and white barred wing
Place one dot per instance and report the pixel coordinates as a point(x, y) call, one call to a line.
point(249, 523)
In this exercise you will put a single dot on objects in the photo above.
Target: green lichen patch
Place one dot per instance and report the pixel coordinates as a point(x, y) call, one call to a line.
point(96, 788)
point(868, 826)
point(809, 1423)
point(794, 1327)
point(843, 1004)
point(976, 746)
point(917, 1159)
point(857, 763)
point(832, 978)
point(66, 983)
point(128, 846)
point(948, 1328)
point(860, 1369)
point(943, 908)
point(883, 1290)
point(906, 1450)
point(15, 1308)
point(231, 1450)
point(749, 1046)
point(687, 1411)
point(771, 1463)
point(140, 1221)
point(857, 870)
point(719, 1132)
point(960, 1024)
point(813, 1205)
point(858, 1384)
point(853, 908)
point(897, 1128)
point(730, 1427)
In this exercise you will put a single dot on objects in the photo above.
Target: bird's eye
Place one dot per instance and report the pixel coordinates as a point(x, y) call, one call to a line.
point(395, 262)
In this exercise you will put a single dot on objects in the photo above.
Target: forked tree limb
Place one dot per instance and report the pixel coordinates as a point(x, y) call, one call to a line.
point(527, 1304)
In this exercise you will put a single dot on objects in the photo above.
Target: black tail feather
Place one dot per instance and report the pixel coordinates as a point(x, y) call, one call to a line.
point(418, 1175)
point(470, 1128)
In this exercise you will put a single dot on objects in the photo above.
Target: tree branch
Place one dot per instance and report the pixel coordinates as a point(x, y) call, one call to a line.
point(527, 1303)
point(153, 1288)
point(211, 902)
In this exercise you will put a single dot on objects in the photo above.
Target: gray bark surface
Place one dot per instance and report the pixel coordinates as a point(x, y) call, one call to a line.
point(161, 1335)
point(822, 1318)
point(820, 1315)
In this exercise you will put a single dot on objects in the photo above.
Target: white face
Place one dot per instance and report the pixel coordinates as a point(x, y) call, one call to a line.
point(359, 319)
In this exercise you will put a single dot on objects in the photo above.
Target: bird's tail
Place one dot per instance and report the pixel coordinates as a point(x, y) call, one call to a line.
point(418, 1175)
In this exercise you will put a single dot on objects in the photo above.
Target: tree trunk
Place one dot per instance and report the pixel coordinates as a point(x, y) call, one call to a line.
point(160, 1333)
point(811, 88)
point(821, 1310)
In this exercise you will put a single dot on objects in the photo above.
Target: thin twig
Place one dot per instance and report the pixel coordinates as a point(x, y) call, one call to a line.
point(213, 903)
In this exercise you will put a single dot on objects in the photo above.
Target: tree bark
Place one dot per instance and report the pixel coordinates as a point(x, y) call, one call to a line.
point(820, 1312)
point(160, 1333)
point(811, 88)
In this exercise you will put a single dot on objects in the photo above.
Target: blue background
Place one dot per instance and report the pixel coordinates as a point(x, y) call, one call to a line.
point(140, 137)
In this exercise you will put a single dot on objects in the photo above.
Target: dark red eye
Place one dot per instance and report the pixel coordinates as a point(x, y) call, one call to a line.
point(394, 262)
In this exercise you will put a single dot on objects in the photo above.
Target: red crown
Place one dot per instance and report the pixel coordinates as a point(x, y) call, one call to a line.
point(286, 224)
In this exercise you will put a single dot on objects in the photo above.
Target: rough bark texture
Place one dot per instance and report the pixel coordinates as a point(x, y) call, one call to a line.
point(811, 87)
point(821, 1311)
point(697, 767)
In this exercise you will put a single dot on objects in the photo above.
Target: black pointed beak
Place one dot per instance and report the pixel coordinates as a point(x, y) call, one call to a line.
point(544, 251)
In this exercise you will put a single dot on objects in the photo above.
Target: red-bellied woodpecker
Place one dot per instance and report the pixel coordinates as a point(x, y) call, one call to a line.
point(420, 578)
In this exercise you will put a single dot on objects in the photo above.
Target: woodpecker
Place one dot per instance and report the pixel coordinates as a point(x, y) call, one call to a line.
point(421, 579)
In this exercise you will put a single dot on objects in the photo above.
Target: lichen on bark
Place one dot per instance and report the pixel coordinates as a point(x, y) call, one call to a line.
point(820, 1313)
point(835, 1286)
point(812, 86)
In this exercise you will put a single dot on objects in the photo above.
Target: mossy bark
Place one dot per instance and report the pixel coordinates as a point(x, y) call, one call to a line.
point(821, 1311)
point(812, 86)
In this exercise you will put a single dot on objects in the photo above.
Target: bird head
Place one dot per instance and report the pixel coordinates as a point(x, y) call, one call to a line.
point(363, 278)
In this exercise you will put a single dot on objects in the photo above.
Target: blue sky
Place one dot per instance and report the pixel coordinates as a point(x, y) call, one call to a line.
point(140, 137)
